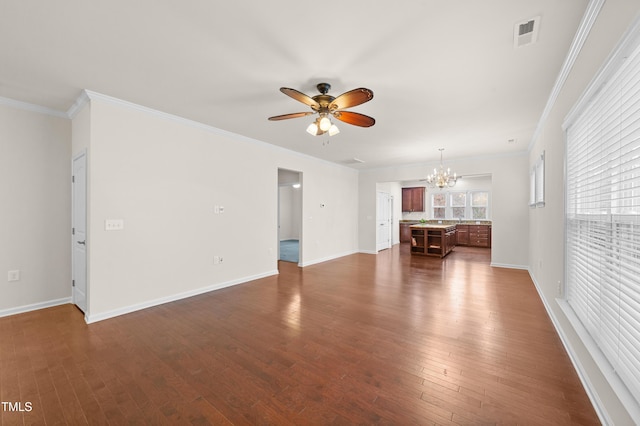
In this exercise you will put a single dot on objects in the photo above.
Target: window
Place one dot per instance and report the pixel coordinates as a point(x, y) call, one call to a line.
point(459, 204)
point(479, 205)
point(439, 203)
point(603, 217)
point(470, 205)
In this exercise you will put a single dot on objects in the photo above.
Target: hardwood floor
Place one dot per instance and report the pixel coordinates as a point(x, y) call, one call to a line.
point(364, 339)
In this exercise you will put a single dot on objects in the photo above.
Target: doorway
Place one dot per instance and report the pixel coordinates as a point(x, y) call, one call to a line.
point(289, 215)
point(79, 231)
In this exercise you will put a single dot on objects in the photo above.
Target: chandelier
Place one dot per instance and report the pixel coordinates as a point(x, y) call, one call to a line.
point(441, 178)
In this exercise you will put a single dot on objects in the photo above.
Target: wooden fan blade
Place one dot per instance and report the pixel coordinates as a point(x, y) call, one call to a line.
point(354, 118)
point(300, 97)
point(351, 98)
point(293, 115)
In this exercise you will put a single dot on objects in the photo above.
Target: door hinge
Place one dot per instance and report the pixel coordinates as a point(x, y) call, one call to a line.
point(73, 179)
point(73, 231)
point(73, 283)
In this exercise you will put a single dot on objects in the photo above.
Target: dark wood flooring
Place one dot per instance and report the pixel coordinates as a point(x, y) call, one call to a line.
point(364, 339)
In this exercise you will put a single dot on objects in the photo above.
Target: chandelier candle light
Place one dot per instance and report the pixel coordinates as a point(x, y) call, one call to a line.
point(442, 178)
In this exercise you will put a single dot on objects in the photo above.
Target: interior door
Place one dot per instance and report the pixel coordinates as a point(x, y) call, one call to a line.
point(383, 218)
point(79, 231)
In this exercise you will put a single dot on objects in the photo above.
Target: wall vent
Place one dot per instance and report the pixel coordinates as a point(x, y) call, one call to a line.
point(526, 32)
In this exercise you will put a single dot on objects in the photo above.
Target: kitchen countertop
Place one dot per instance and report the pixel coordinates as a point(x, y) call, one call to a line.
point(447, 222)
point(432, 225)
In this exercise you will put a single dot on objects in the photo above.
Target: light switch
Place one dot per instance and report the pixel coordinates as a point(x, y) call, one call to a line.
point(114, 224)
point(13, 276)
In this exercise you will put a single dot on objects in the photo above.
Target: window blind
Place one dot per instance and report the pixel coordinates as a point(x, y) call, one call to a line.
point(603, 219)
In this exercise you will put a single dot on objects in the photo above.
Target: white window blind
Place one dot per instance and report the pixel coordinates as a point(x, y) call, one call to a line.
point(603, 219)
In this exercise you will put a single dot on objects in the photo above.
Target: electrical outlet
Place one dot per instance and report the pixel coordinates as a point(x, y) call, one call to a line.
point(114, 225)
point(13, 275)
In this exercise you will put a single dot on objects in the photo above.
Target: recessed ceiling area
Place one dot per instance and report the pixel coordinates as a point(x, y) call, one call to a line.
point(443, 74)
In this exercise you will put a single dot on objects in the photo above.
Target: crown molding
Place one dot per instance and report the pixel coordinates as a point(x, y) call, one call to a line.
point(32, 107)
point(588, 20)
point(77, 106)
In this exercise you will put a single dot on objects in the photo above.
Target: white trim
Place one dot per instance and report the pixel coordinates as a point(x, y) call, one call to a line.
point(589, 388)
point(508, 266)
point(77, 106)
point(198, 125)
point(32, 107)
point(368, 251)
point(328, 258)
point(161, 301)
point(34, 306)
point(588, 20)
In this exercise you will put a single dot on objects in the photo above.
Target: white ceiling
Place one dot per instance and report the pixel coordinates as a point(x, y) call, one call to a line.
point(444, 73)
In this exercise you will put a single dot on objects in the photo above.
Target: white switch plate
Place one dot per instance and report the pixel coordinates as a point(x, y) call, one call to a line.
point(13, 275)
point(113, 224)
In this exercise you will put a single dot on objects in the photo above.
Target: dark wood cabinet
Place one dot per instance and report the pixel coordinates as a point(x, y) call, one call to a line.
point(462, 235)
point(433, 240)
point(480, 235)
point(405, 232)
point(413, 199)
point(474, 235)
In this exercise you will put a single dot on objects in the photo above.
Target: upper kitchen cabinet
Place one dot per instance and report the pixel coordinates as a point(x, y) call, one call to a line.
point(413, 199)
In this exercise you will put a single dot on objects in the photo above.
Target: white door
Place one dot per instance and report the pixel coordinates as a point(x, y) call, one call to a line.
point(383, 218)
point(79, 231)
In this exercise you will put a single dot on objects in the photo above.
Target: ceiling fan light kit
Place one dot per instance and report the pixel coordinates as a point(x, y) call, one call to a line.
point(327, 106)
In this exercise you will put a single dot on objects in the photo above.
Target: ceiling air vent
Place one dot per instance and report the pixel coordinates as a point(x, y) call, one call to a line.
point(353, 160)
point(526, 32)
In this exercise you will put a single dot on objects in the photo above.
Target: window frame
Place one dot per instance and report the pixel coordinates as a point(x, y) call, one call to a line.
point(602, 259)
point(448, 207)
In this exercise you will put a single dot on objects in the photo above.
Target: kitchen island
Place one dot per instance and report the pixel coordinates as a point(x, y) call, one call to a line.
point(429, 239)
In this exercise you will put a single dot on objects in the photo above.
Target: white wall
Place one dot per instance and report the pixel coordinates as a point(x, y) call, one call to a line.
point(35, 225)
point(546, 225)
point(163, 176)
point(509, 202)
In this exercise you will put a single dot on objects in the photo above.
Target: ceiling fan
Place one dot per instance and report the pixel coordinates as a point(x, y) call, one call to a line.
point(327, 106)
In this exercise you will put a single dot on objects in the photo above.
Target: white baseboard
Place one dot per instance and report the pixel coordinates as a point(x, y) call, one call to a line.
point(326, 259)
point(506, 265)
point(34, 306)
point(91, 318)
point(368, 251)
